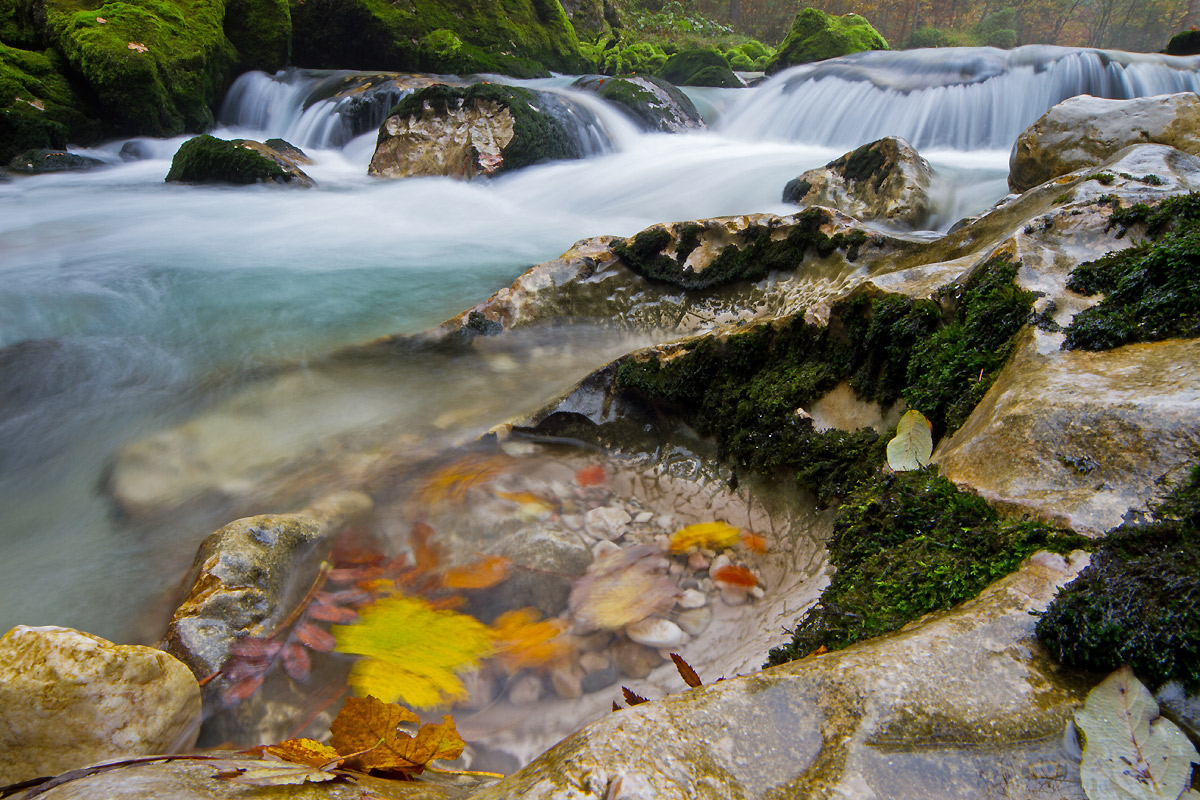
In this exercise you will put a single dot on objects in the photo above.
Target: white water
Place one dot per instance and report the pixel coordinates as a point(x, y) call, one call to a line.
point(145, 300)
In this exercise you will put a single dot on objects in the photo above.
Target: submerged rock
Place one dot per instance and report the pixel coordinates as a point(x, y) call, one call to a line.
point(1086, 131)
point(816, 36)
point(653, 103)
point(68, 699)
point(483, 129)
point(206, 159)
point(39, 162)
point(886, 180)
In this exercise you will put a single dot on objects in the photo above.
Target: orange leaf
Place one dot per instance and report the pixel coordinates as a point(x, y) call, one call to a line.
point(451, 483)
point(590, 476)
point(754, 543)
point(686, 672)
point(426, 552)
point(523, 642)
point(736, 576)
point(483, 573)
point(369, 727)
point(304, 751)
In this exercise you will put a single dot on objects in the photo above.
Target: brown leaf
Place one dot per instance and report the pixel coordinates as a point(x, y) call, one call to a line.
point(426, 552)
point(315, 638)
point(590, 476)
point(483, 574)
point(369, 727)
point(138, 46)
point(631, 697)
point(242, 690)
point(615, 706)
point(304, 751)
point(686, 672)
point(754, 543)
point(251, 648)
point(296, 662)
point(327, 613)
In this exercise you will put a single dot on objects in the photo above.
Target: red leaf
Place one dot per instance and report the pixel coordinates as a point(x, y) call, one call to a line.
point(332, 613)
point(736, 576)
point(296, 662)
point(591, 476)
point(632, 698)
point(242, 690)
point(686, 672)
point(315, 638)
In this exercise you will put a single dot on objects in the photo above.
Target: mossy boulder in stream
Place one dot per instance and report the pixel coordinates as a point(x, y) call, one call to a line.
point(653, 103)
point(39, 107)
point(524, 38)
point(699, 67)
point(816, 36)
point(207, 159)
point(482, 129)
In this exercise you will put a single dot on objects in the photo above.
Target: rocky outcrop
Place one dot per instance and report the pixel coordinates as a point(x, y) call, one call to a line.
point(886, 181)
point(1086, 131)
point(653, 103)
point(206, 159)
point(68, 699)
point(483, 129)
point(699, 67)
point(39, 108)
point(816, 36)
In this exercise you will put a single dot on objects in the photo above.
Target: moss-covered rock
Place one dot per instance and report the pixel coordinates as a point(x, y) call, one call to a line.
point(42, 160)
point(612, 57)
point(39, 108)
point(518, 37)
point(816, 36)
point(482, 129)
point(1184, 43)
point(261, 30)
point(654, 104)
point(699, 67)
point(206, 159)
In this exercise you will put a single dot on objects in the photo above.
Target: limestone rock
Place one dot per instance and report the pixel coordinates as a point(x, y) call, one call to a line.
point(816, 35)
point(926, 712)
point(69, 699)
point(206, 159)
point(886, 180)
point(482, 129)
point(653, 103)
point(1086, 131)
point(247, 576)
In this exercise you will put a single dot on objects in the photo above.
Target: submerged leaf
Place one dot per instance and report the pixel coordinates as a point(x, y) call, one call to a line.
point(487, 572)
point(913, 445)
point(1131, 752)
point(590, 476)
point(713, 535)
point(368, 728)
point(524, 642)
point(734, 575)
point(612, 600)
point(754, 543)
point(412, 652)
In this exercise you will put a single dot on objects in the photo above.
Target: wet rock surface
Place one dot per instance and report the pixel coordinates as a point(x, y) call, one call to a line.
point(206, 159)
point(68, 699)
point(42, 161)
point(653, 103)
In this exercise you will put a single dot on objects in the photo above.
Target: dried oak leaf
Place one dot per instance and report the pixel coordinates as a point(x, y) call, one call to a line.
point(412, 652)
point(713, 535)
point(487, 572)
point(522, 641)
point(368, 727)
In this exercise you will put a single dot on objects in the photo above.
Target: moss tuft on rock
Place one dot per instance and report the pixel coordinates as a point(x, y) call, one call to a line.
point(816, 36)
point(261, 30)
point(39, 108)
point(699, 67)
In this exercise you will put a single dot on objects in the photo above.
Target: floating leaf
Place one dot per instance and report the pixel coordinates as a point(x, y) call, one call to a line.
point(304, 751)
point(754, 543)
point(631, 697)
point(368, 727)
point(735, 575)
point(486, 572)
point(275, 772)
point(591, 476)
point(1131, 753)
point(686, 672)
point(713, 535)
point(412, 652)
point(523, 641)
point(913, 445)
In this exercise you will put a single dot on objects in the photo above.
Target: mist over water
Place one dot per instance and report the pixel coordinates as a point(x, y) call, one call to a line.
point(127, 304)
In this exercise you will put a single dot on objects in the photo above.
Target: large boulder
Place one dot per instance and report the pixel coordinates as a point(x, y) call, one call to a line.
point(68, 699)
point(207, 159)
point(261, 31)
point(524, 38)
point(1086, 131)
point(699, 67)
point(482, 129)
point(653, 103)
point(885, 180)
point(39, 108)
point(816, 36)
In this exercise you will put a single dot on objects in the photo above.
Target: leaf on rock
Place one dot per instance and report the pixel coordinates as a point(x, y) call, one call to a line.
point(1131, 753)
point(686, 672)
point(412, 652)
point(272, 771)
point(713, 535)
point(913, 445)
point(368, 728)
point(524, 642)
point(483, 574)
point(304, 751)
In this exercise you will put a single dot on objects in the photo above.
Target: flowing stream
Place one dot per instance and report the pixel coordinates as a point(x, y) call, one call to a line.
point(127, 303)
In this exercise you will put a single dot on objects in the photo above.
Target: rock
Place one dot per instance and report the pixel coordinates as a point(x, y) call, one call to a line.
point(1086, 131)
point(925, 712)
point(525, 690)
point(600, 679)
point(591, 18)
point(482, 129)
point(816, 36)
point(653, 103)
point(545, 560)
point(886, 180)
point(607, 522)
point(694, 621)
point(206, 159)
point(655, 632)
point(692, 598)
point(41, 161)
point(1184, 43)
point(69, 699)
point(261, 31)
point(135, 150)
point(39, 106)
point(247, 577)
point(635, 660)
point(567, 680)
point(699, 67)
point(594, 661)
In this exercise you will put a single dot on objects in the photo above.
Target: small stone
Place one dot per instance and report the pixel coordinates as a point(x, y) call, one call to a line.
point(567, 680)
point(525, 690)
point(605, 550)
point(572, 522)
point(676, 569)
point(697, 562)
point(593, 642)
point(692, 598)
point(644, 517)
point(667, 522)
point(694, 621)
point(719, 562)
point(634, 660)
point(757, 592)
point(655, 632)
point(733, 596)
point(594, 661)
point(481, 690)
point(595, 681)
point(607, 522)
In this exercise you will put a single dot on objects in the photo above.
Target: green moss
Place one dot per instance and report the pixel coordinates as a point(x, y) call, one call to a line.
point(907, 544)
point(1152, 289)
point(865, 164)
point(816, 36)
point(1138, 603)
point(206, 159)
point(699, 67)
point(1184, 43)
point(537, 134)
point(1104, 178)
point(524, 38)
point(39, 108)
point(261, 30)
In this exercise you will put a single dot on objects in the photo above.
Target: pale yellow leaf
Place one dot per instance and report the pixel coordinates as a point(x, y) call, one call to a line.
point(913, 445)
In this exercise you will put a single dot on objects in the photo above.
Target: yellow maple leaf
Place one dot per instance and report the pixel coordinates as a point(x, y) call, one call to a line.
point(412, 652)
point(714, 535)
point(304, 751)
point(523, 641)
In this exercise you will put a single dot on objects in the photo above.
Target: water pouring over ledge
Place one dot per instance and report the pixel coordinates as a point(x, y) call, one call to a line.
point(168, 295)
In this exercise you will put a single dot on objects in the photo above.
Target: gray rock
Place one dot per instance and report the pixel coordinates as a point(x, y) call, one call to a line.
point(545, 560)
point(1086, 131)
point(39, 162)
point(653, 103)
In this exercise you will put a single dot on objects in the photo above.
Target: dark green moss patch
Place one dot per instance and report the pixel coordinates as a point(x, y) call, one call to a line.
point(1152, 289)
point(816, 35)
point(864, 164)
point(1138, 603)
point(907, 544)
point(699, 67)
point(261, 30)
point(206, 159)
point(39, 107)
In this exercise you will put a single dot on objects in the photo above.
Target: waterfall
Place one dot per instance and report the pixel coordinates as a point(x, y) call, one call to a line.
point(951, 98)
